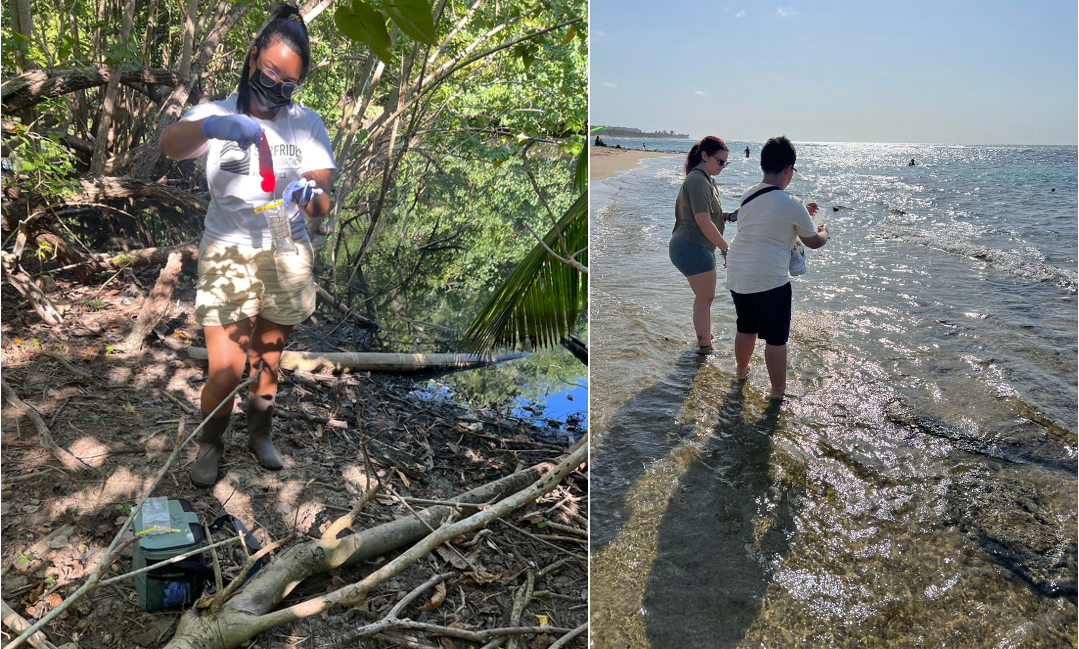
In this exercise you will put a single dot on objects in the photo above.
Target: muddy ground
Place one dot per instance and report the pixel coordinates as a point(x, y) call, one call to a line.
point(121, 424)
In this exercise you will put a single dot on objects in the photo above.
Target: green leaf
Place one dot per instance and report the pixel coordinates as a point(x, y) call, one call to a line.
point(414, 18)
point(569, 35)
point(362, 22)
point(580, 174)
point(541, 299)
point(527, 58)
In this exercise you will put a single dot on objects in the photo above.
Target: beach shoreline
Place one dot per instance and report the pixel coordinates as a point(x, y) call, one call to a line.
point(604, 162)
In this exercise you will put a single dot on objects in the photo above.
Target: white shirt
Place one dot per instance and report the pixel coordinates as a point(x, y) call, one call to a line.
point(760, 254)
point(298, 144)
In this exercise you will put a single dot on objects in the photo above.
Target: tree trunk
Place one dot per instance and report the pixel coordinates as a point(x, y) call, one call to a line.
point(155, 306)
point(104, 127)
point(22, 24)
point(189, 38)
point(170, 113)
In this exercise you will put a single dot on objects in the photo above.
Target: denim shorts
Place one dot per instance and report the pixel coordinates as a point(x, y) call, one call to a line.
point(691, 258)
point(766, 314)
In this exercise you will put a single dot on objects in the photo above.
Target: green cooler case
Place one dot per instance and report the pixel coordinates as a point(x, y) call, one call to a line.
point(177, 584)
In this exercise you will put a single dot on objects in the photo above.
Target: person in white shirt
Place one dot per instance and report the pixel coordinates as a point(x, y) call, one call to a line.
point(759, 258)
point(248, 301)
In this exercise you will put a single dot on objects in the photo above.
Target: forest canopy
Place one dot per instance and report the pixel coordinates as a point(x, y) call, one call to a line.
point(431, 110)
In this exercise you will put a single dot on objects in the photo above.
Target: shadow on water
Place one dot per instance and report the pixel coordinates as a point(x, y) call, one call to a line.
point(689, 520)
point(641, 432)
point(724, 527)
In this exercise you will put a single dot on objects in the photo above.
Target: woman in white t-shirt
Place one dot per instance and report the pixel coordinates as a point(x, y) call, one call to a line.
point(248, 302)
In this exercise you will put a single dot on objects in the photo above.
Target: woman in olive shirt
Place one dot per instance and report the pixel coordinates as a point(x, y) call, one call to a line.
point(698, 231)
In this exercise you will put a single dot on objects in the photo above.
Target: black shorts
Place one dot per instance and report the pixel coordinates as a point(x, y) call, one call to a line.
point(766, 314)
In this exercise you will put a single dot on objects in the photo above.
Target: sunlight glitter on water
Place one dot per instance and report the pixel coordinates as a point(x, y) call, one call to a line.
point(933, 377)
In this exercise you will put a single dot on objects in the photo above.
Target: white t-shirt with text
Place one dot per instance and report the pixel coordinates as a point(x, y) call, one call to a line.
point(298, 144)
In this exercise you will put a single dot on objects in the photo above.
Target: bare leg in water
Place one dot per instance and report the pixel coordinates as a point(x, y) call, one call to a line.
point(775, 359)
point(704, 291)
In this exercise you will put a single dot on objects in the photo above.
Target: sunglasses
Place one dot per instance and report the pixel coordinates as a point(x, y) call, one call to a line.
point(722, 163)
point(269, 78)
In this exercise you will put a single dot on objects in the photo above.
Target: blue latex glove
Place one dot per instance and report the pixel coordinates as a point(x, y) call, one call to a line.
point(241, 129)
point(301, 192)
point(175, 594)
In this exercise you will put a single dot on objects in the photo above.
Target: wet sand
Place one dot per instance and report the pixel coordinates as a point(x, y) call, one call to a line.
point(604, 162)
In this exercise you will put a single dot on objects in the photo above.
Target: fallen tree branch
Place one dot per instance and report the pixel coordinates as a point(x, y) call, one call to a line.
point(347, 311)
point(251, 610)
point(325, 421)
point(28, 289)
point(376, 361)
point(69, 461)
point(353, 594)
point(564, 640)
point(391, 621)
point(541, 540)
point(16, 623)
point(36, 86)
point(68, 366)
point(155, 306)
point(345, 521)
point(523, 599)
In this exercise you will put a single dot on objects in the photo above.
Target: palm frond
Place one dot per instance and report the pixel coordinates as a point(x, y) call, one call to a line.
point(539, 302)
point(580, 173)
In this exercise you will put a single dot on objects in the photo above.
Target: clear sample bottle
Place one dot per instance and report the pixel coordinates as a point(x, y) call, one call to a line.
point(280, 228)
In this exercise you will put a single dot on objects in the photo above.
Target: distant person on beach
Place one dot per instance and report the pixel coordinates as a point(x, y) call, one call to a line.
point(698, 231)
point(747, 151)
point(911, 162)
point(599, 142)
point(759, 260)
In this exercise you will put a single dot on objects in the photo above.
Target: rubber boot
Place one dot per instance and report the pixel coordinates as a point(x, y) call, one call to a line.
point(211, 448)
point(260, 428)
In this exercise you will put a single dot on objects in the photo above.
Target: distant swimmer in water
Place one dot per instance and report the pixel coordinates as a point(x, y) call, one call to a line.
point(911, 162)
point(643, 145)
point(747, 151)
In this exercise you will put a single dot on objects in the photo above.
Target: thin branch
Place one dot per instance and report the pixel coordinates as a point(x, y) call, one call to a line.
point(179, 557)
point(565, 640)
point(535, 186)
point(447, 545)
point(354, 593)
point(572, 263)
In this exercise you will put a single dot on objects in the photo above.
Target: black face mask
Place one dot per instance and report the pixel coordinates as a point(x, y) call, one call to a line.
point(266, 99)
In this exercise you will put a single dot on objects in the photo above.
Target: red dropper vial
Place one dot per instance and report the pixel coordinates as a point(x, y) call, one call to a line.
point(266, 166)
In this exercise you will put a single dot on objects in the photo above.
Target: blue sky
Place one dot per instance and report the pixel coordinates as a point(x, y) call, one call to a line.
point(897, 71)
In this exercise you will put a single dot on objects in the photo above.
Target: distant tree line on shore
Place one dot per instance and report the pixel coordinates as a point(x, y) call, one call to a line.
point(625, 131)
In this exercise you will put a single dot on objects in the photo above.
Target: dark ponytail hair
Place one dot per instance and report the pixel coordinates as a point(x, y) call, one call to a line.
point(284, 24)
point(710, 144)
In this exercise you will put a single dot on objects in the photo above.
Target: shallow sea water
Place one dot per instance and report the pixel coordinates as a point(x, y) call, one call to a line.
point(919, 487)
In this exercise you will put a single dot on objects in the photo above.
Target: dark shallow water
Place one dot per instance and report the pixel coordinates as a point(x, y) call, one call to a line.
point(920, 487)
